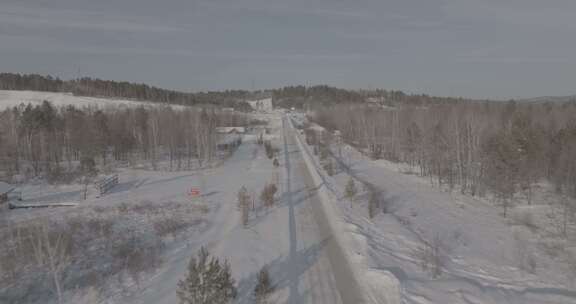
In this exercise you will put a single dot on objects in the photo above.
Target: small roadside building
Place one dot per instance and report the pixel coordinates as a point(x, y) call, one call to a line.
point(5, 189)
point(229, 138)
point(230, 130)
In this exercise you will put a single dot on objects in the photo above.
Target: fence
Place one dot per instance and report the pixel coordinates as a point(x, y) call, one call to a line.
point(107, 183)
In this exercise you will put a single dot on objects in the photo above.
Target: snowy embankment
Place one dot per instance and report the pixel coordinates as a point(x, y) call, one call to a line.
point(9, 99)
point(378, 286)
point(433, 246)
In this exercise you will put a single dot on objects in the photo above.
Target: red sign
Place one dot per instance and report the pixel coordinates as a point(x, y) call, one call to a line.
point(194, 192)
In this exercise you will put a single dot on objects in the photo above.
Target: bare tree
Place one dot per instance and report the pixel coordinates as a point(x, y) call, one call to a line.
point(432, 256)
point(52, 250)
point(267, 194)
point(244, 201)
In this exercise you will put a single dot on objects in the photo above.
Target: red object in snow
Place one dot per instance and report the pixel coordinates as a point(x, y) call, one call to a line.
point(194, 192)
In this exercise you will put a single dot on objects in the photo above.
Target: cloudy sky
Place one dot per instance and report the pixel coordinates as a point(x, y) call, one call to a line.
point(476, 48)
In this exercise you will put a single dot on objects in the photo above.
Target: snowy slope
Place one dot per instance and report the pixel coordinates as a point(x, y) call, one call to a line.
point(15, 98)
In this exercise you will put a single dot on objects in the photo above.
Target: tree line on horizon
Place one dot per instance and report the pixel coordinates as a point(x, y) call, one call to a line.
point(315, 97)
point(301, 97)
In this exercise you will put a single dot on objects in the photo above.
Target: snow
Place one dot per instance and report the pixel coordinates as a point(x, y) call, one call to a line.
point(320, 247)
point(10, 99)
point(285, 238)
point(290, 238)
point(487, 259)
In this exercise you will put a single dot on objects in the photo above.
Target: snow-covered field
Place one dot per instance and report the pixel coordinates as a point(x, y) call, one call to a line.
point(483, 257)
point(10, 99)
point(431, 246)
point(287, 237)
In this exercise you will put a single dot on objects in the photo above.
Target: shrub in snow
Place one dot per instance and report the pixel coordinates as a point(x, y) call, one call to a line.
point(263, 287)
point(208, 281)
point(350, 190)
point(432, 256)
point(244, 205)
point(525, 257)
point(323, 152)
point(373, 203)
point(267, 194)
point(525, 218)
point(329, 167)
point(270, 150)
point(135, 254)
point(243, 197)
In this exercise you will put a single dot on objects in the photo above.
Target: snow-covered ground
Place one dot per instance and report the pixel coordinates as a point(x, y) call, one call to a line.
point(319, 246)
point(288, 238)
point(10, 99)
point(484, 257)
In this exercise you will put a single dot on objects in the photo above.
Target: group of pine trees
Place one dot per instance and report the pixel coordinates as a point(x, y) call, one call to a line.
point(44, 139)
point(210, 281)
point(303, 96)
point(482, 148)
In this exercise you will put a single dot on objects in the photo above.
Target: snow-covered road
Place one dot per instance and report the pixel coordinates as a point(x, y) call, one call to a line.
point(311, 278)
point(289, 238)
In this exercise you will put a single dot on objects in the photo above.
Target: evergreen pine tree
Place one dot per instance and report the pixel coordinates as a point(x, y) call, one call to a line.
point(350, 188)
point(264, 286)
point(208, 281)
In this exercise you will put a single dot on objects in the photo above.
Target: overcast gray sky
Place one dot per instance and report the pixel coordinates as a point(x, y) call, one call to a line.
point(476, 48)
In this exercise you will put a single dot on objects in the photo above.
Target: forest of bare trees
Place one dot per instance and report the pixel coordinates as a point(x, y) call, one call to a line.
point(47, 140)
point(500, 149)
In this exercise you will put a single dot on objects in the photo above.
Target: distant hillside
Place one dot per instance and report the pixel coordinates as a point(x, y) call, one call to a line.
point(120, 89)
point(302, 97)
point(571, 98)
point(9, 99)
point(323, 95)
